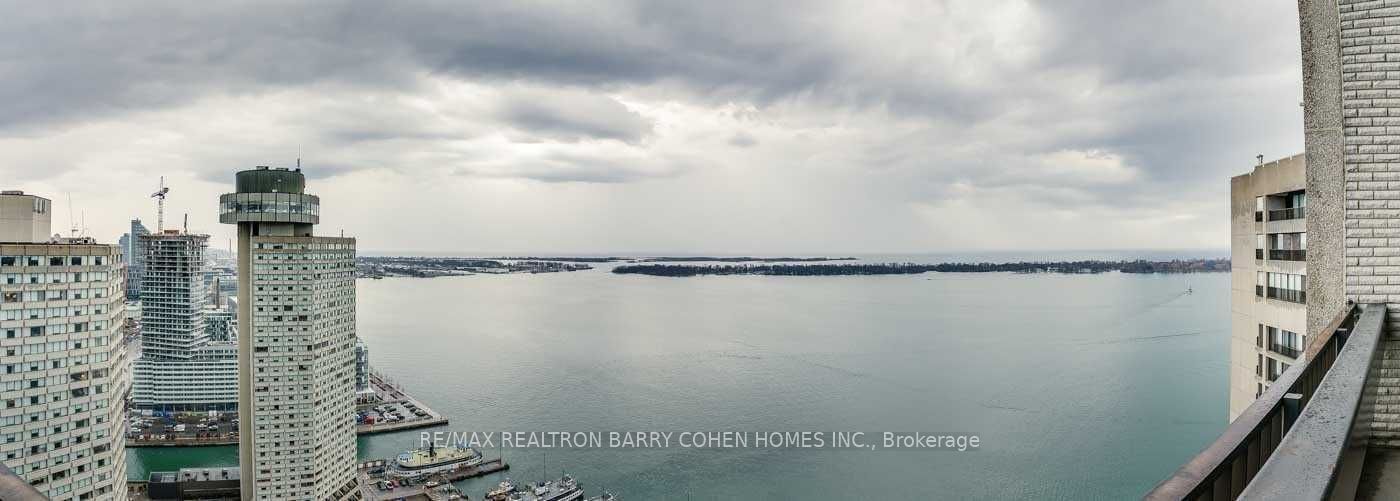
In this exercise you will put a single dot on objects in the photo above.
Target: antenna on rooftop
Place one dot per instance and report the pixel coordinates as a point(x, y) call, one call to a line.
point(72, 225)
point(1261, 159)
point(187, 223)
point(159, 195)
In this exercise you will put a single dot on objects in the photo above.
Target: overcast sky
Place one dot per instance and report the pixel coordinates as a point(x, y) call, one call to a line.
point(718, 126)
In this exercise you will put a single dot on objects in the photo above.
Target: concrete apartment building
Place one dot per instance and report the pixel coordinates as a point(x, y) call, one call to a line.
point(1268, 252)
point(296, 342)
point(64, 371)
point(181, 367)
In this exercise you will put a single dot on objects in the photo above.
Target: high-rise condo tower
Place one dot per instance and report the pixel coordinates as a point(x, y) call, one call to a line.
point(296, 341)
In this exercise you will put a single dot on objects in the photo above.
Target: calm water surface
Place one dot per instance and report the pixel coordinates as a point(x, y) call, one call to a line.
point(1080, 386)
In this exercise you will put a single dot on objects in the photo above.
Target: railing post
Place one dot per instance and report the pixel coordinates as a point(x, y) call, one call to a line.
point(1292, 407)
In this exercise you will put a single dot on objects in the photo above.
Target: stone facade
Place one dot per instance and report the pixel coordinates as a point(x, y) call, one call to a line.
point(1351, 70)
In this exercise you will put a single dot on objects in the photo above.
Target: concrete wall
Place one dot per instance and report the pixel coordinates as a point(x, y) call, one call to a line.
point(20, 223)
point(1322, 129)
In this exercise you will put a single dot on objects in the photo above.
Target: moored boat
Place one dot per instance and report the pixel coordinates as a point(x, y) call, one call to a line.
point(419, 462)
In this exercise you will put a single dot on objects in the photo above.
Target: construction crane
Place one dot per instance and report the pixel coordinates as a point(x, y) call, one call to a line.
point(159, 195)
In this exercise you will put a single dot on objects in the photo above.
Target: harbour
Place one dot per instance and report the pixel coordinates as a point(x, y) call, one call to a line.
point(505, 353)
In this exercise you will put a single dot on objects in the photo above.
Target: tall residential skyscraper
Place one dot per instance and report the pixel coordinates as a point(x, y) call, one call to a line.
point(296, 342)
point(136, 263)
point(64, 370)
point(1268, 276)
point(180, 368)
point(173, 295)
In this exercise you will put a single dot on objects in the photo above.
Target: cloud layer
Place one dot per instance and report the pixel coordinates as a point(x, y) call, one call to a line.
point(681, 126)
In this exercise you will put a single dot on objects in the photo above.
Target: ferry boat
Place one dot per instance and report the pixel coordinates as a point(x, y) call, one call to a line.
point(564, 489)
point(419, 462)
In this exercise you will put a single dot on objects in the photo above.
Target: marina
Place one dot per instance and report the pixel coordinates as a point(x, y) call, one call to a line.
point(378, 482)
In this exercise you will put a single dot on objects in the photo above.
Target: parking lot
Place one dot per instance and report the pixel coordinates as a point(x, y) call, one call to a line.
point(182, 427)
point(392, 412)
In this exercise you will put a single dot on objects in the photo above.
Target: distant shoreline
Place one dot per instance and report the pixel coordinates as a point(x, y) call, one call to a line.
point(1180, 266)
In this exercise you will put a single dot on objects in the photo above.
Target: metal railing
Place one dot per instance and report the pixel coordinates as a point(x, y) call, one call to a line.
point(1284, 350)
point(1288, 254)
point(1327, 443)
point(1259, 290)
point(1258, 216)
point(1290, 295)
point(1258, 253)
point(1289, 213)
point(14, 488)
point(1226, 467)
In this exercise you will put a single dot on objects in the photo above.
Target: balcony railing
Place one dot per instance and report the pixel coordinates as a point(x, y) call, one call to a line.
point(1284, 350)
point(1290, 295)
point(1310, 412)
point(1289, 213)
point(1287, 254)
point(1259, 290)
point(1258, 216)
point(1258, 253)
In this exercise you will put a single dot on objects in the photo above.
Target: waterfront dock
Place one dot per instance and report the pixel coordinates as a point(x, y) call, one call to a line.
point(390, 395)
point(375, 486)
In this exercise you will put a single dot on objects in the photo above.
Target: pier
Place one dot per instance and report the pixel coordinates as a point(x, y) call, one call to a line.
point(390, 396)
point(375, 486)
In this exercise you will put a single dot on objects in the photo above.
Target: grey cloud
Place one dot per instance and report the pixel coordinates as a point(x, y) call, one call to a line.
point(743, 140)
point(573, 116)
point(937, 98)
point(567, 167)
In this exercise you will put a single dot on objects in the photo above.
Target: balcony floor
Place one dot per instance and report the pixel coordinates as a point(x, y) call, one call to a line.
point(1380, 475)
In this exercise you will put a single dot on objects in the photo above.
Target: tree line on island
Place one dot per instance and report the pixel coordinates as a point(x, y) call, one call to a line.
point(1091, 266)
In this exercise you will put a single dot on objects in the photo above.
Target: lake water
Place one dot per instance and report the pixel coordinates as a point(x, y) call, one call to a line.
point(1079, 386)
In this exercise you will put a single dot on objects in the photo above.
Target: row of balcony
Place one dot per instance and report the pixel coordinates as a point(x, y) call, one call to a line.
point(1290, 295)
point(1283, 254)
point(1281, 214)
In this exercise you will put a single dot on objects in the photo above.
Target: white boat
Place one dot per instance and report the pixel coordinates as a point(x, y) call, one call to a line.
point(419, 462)
point(564, 489)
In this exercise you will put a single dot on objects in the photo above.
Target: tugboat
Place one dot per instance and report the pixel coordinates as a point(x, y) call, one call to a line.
point(419, 462)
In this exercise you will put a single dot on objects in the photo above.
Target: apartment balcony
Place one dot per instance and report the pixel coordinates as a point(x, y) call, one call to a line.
point(1258, 254)
point(1284, 350)
point(1319, 432)
point(1286, 254)
point(1290, 295)
point(1286, 214)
